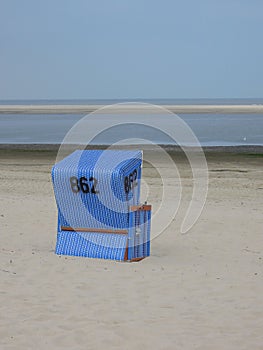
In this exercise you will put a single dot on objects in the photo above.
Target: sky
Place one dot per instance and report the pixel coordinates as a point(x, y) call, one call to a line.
point(120, 49)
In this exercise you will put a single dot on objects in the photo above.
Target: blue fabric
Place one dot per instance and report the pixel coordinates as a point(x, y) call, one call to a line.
point(94, 245)
point(139, 234)
point(106, 209)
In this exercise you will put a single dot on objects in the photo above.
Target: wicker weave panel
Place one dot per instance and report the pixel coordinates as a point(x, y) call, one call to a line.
point(93, 245)
point(106, 209)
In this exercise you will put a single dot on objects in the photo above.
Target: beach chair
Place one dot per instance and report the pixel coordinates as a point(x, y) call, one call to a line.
point(99, 212)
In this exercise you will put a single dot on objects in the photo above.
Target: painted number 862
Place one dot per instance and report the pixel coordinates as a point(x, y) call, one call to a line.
point(130, 181)
point(83, 184)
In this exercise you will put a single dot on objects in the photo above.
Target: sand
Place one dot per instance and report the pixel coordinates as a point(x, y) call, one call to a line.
point(202, 290)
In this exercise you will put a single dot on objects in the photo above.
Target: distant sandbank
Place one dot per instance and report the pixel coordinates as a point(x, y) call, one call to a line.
point(132, 108)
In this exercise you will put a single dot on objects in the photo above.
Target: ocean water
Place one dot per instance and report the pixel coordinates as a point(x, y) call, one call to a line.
point(210, 129)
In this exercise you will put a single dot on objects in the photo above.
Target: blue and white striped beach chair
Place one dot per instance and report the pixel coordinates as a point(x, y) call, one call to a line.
point(98, 198)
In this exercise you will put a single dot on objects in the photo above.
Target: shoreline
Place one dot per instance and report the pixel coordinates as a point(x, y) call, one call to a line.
point(255, 149)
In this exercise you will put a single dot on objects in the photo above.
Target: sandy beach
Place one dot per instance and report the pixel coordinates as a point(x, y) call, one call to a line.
point(202, 290)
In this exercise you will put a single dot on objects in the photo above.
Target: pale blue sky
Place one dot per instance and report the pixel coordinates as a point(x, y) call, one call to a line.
point(60, 49)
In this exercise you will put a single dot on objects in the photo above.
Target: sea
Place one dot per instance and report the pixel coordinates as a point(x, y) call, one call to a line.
point(210, 129)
